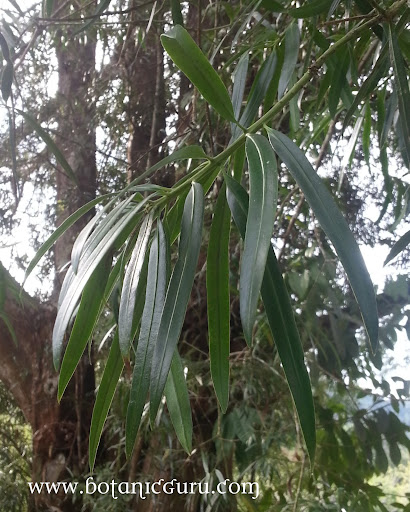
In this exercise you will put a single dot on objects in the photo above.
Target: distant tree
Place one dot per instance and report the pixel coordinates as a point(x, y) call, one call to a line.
point(192, 159)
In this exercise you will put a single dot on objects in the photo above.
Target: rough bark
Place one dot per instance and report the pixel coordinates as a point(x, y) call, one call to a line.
point(60, 430)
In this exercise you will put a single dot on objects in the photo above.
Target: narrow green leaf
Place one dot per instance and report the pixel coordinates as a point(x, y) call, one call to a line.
point(257, 93)
point(179, 407)
point(402, 86)
point(369, 85)
point(340, 62)
point(87, 316)
point(72, 219)
point(398, 247)
point(263, 189)
point(178, 293)
point(70, 293)
point(101, 7)
point(333, 7)
point(282, 323)
point(130, 286)
point(292, 38)
point(177, 18)
point(217, 286)
point(334, 225)
point(367, 125)
point(106, 390)
point(51, 146)
point(312, 8)
point(351, 145)
point(7, 80)
point(239, 82)
point(192, 62)
point(151, 316)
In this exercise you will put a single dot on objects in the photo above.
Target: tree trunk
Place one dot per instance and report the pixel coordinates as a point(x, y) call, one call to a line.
point(60, 430)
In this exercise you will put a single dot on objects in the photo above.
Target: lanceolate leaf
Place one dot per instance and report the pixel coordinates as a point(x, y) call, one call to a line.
point(334, 225)
point(192, 62)
point(179, 407)
point(72, 219)
point(368, 86)
point(106, 390)
point(291, 56)
point(130, 287)
point(402, 87)
point(51, 146)
point(257, 94)
point(178, 293)
point(217, 286)
point(282, 323)
point(86, 318)
point(71, 292)
point(154, 301)
point(263, 189)
point(398, 247)
point(239, 82)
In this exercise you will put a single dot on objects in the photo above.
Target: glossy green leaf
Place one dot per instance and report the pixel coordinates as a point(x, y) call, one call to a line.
point(282, 323)
point(257, 93)
point(239, 82)
point(50, 145)
point(292, 38)
point(87, 316)
point(178, 293)
point(312, 8)
point(334, 225)
point(101, 7)
point(263, 190)
point(130, 287)
point(340, 61)
point(7, 80)
point(179, 407)
point(367, 125)
point(192, 62)
point(154, 301)
point(70, 293)
point(369, 85)
point(106, 390)
point(218, 304)
point(398, 247)
point(72, 219)
point(402, 86)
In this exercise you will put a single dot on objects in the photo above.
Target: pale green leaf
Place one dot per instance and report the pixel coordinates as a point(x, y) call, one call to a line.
point(130, 287)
